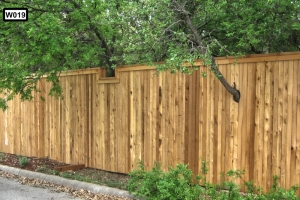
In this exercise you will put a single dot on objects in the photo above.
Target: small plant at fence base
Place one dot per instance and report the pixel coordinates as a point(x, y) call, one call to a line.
point(2, 156)
point(23, 161)
point(180, 183)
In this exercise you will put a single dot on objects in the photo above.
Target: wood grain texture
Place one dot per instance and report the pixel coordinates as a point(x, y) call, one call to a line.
point(112, 123)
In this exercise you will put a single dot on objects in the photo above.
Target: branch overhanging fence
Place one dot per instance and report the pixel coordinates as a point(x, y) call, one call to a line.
point(112, 123)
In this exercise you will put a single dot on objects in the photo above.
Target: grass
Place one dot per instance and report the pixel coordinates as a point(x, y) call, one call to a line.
point(90, 175)
point(45, 170)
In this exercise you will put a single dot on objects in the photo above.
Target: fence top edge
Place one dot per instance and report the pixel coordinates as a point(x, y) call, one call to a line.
point(260, 58)
point(225, 60)
point(81, 71)
point(254, 58)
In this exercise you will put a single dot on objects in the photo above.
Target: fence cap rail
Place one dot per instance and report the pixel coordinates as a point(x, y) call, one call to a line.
point(224, 60)
point(259, 58)
point(251, 58)
point(81, 71)
point(108, 80)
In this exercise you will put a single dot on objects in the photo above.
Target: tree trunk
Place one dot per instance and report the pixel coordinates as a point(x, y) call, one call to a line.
point(214, 67)
point(232, 89)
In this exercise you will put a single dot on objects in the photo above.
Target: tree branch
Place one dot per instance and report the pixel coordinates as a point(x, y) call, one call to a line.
point(205, 51)
point(108, 51)
point(25, 4)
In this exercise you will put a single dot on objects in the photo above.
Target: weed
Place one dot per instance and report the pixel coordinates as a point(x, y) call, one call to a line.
point(114, 183)
point(75, 176)
point(23, 161)
point(2, 156)
point(279, 193)
point(44, 169)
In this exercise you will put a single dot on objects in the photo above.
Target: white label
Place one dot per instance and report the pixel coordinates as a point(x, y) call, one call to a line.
point(15, 14)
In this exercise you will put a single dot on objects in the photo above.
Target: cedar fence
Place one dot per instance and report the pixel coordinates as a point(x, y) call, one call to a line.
point(112, 123)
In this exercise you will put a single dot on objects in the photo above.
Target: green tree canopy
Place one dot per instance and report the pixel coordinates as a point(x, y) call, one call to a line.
point(74, 34)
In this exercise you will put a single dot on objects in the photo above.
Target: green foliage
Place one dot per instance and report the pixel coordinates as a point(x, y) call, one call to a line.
point(224, 27)
point(2, 156)
point(180, 183)
point(62, 35)
point(58, 36)
point(23, 161)
point(44, 169)
point(279, 193)
point(113, 183)
point(74, 176)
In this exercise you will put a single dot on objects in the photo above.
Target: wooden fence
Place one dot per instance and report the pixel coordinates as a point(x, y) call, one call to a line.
point(111, 123)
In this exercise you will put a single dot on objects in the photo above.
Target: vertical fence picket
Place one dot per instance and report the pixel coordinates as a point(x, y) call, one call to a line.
point(111, 123)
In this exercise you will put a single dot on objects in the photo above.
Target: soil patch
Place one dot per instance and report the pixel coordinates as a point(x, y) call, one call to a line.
point(47, 166)
point(34, 164)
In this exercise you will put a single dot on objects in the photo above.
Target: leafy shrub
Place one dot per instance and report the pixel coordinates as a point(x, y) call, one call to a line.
point(178, 183)
point(279, 193)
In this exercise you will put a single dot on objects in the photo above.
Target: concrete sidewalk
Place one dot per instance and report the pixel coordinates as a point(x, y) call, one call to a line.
point(11, 189)
point(93, 188)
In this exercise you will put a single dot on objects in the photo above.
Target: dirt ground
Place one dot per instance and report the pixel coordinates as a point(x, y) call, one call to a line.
point(46, 165)
point(33, 165)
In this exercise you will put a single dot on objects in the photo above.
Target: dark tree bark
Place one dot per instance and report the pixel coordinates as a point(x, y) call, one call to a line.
point(231, 89)
point(180, 8)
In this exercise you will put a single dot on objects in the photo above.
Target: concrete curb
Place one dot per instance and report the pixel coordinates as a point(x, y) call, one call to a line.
point(98, 189)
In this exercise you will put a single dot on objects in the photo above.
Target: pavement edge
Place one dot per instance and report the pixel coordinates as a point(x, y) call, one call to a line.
point(97, 189)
